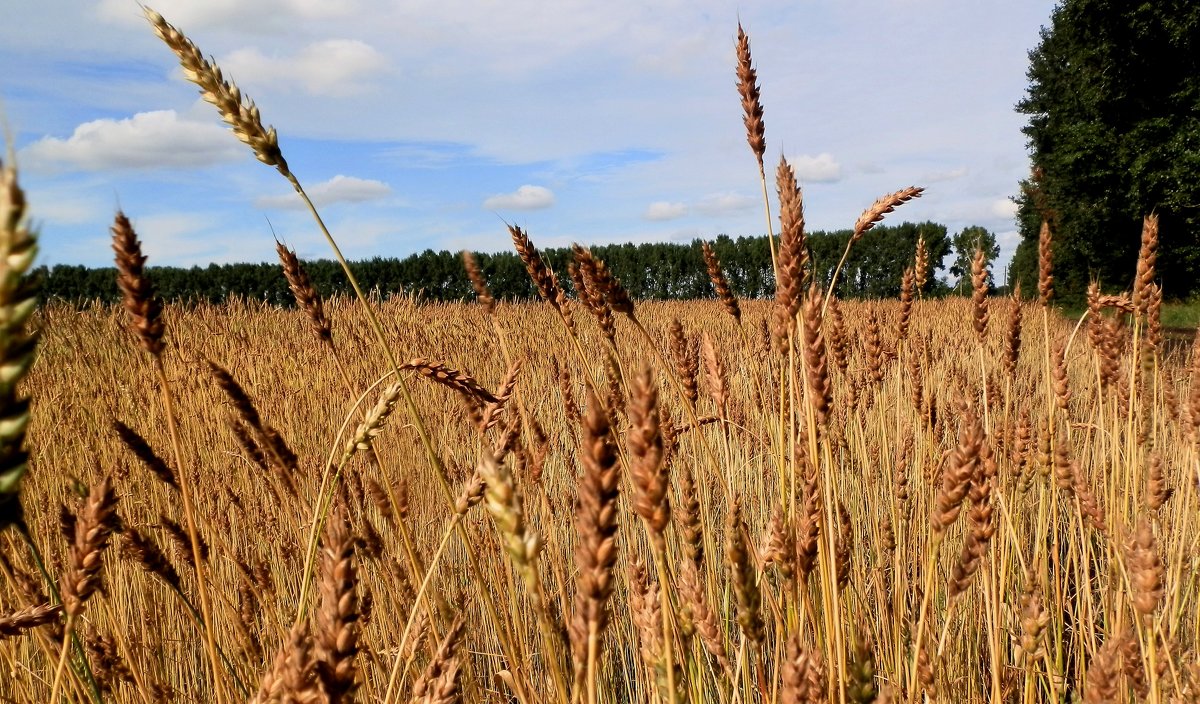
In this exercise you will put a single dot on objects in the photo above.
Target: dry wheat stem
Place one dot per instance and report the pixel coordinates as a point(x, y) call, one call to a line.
point(433, 564)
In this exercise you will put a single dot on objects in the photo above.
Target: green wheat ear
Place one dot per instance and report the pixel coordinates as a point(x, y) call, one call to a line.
point(18, 298)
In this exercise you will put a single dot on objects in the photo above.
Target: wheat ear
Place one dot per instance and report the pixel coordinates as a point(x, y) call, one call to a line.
point(145, 315)
point(596, 521)
point(18, 298)
point(239, 112)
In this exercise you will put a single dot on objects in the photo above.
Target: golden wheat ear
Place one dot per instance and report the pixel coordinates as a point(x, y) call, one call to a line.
point(304, 292)
point(747, 85)
point(238, 111)
point(720, 283)
point(18, 297)
point(22, 620)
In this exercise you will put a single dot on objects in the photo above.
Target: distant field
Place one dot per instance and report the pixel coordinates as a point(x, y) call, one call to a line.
point(1180, 320)
point(1181, 316)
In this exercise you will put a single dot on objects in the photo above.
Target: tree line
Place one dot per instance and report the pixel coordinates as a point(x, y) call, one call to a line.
point(650, 271)
point(1113, 108)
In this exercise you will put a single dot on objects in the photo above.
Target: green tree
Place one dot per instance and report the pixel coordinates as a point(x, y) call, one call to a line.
point(661, 270)
point(966, 243)
point(877, 262)
point(1114, 126)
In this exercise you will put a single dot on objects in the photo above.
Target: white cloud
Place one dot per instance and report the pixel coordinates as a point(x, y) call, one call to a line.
point(1004, 208)
point(725, 203)
point(339, 189)
point(148, 140)
point(822, 168)
point(234, 14)
point(333, 67)
point(663, 210)
point(524, 198)
point(177, 237)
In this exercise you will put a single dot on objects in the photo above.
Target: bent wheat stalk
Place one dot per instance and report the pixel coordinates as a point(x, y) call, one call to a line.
point(243, 117)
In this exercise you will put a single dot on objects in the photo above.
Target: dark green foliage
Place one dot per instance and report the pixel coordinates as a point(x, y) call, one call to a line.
point(1114, 124)
point(965, 245)
point(656, 271)
point(877, 262)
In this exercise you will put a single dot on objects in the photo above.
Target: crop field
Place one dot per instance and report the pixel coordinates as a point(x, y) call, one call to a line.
point(588, 499)
point(1040, 515)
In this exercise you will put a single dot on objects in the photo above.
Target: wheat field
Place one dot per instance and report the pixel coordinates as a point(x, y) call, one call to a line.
point(590, 499)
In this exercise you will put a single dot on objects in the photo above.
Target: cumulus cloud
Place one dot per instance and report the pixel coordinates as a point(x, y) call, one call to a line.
point(725, 203)
point(663, 210)
point(822, 168)
point(148, 140)
point(1004, 208)
point(332, 67)
point(524, 198)
point(339, 189)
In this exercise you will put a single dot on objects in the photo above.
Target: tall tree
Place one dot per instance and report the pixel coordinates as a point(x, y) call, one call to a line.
point(876, 263)
point(1114, 127)
point(966, 243)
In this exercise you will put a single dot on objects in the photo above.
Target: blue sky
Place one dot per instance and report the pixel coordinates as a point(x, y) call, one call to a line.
point(424, 123)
